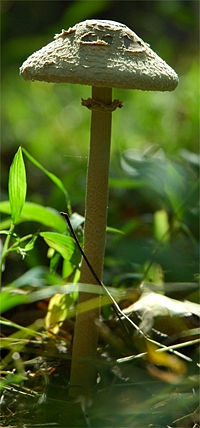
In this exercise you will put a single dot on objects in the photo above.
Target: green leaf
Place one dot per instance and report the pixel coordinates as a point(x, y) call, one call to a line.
point(67, 268)
point(17, 186)
point(49, 174)
point(65, 245)
point(161, 226)
point(114, 230)
point(9, 300)
point(10, 380)
point(30, 245)
point(30, 330)
point(58, 310)
point(5, 224)
point(54, 260)
point(35, 212)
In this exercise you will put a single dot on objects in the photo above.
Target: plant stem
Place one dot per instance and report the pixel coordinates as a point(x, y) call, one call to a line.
point(83, 371)
point(5, 251)
point(16, 244)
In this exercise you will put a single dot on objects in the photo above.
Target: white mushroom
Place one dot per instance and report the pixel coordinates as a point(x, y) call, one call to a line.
point(100, 53)
point(103, 54)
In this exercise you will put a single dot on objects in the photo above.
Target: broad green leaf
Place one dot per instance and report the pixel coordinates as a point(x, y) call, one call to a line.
point(17, 186)
point(35, 212)
point(65, 245)
point(9, 300)
point(5, 224)
point(49, 174)
point(57, 311)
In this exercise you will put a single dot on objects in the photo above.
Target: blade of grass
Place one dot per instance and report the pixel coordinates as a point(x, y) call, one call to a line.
point(27, 330)
point(17, 186)
point(51, 176)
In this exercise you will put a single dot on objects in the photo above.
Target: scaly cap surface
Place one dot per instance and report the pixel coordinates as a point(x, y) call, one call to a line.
point(100, 53)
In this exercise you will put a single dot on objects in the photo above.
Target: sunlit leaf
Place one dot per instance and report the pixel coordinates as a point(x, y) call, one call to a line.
point(17, 186)
point(161, 226)
point(57, 311)
point(65, 245)
point(35, 212)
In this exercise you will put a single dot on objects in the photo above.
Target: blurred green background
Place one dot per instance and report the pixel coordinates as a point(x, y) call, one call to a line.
point(154, 136)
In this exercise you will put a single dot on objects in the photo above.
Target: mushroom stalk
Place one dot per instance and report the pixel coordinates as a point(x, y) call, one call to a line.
point(102, 54)
point(83, 370)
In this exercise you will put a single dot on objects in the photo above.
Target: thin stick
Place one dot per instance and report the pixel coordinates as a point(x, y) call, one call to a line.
point(164, 349)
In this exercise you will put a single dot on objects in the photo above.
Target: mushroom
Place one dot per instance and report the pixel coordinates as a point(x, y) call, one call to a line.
point(104, 54)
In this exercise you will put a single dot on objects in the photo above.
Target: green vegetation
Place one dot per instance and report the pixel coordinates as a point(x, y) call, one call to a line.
point(148, 377)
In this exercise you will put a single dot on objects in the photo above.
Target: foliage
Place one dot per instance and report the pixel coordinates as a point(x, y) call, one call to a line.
point(40, 283)
point(150, 376)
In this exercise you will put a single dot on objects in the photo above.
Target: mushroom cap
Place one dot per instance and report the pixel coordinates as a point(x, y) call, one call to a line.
point(100, 53)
